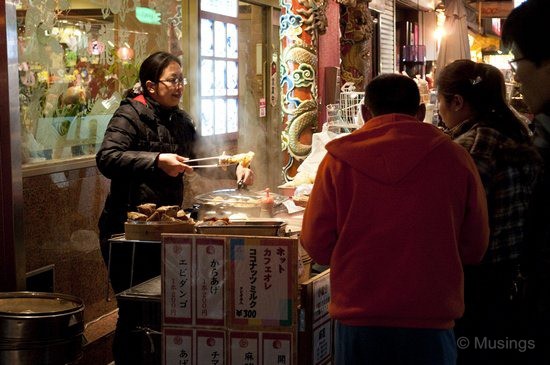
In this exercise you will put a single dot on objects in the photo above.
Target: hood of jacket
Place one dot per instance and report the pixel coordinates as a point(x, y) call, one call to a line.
point(388, 147)
point(149, 111)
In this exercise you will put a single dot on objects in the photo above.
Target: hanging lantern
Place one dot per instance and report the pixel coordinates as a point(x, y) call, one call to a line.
point(125, 53)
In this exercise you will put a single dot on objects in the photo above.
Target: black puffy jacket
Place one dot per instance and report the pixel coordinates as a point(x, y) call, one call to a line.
point(136, 134)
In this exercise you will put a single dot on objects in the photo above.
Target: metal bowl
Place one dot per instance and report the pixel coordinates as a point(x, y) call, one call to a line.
point(224, 203)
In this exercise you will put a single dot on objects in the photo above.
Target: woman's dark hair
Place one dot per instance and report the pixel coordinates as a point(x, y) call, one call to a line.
point(392, 93)
point(482, 87)
point(152, 67)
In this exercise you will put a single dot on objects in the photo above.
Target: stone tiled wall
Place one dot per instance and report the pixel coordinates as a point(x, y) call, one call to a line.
point(60, 227)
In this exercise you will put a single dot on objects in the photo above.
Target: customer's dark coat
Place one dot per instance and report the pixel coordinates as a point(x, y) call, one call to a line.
point(137, 133)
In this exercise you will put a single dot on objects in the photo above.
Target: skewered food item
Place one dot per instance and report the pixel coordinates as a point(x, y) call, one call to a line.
point(241, 158)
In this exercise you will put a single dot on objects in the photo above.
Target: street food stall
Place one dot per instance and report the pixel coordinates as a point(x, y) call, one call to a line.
point(235, 285)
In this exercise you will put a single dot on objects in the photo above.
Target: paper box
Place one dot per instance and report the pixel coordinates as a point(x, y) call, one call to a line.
point(316, 337)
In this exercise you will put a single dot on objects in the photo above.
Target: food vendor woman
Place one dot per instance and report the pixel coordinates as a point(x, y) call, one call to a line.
point(145, 147)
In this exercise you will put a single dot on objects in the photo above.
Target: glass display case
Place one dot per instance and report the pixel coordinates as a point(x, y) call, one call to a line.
point(76, 61)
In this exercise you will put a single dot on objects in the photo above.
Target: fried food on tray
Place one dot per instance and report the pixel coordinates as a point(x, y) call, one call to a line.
point(155, 217)
point(169, 210)
point(241, 158)
point(135, 216)
point(214, 221)
point(147, 208)
point(181, 215)
point(167, 213)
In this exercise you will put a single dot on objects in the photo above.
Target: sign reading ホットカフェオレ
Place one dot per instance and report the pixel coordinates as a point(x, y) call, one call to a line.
point(262, 278)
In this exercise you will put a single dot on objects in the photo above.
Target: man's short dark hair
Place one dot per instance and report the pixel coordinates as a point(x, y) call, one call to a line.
point(392, 93)
point(528, 27)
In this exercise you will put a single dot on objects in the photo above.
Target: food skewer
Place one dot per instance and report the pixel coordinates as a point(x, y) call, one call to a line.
point(226, 160)
point(213, 165)
point(204, 159)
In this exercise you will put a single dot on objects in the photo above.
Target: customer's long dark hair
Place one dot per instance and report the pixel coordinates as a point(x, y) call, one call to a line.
point(482, 87)
point(151, 69)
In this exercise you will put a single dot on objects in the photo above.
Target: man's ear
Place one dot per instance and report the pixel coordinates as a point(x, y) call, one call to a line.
point(365, 113)
point(421, 112)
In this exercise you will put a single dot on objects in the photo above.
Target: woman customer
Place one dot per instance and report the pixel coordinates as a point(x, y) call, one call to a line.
point(472, 105)
point(144, 153)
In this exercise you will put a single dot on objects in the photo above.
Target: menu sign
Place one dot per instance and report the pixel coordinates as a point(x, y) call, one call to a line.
point(262, 274)
point(194, 280)
point(185, 346)
point(210, 281)
point(177, 279)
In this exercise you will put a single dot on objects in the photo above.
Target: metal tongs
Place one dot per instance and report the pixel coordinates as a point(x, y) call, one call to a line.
point(241, 185)
point(206, 159)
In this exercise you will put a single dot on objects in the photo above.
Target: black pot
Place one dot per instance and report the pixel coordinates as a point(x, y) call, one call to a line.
point(40, 328)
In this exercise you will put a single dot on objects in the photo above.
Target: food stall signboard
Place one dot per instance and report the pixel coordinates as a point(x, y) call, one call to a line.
point(185, 346)
point(244, 348)
point(210, 281)
point(194, 280)
point(177, 276)
point(495, 9)
point(178, 346)
point(263, 282)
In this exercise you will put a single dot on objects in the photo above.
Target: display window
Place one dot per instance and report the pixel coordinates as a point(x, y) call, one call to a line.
point(76, 61)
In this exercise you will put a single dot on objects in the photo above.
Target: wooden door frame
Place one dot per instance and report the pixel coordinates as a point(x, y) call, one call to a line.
point(12, 251)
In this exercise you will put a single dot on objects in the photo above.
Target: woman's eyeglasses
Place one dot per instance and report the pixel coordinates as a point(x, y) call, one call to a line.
point(514, 63)
point(175, 82)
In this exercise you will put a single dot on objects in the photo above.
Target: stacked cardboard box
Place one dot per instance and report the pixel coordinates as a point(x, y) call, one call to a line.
point(316, 328)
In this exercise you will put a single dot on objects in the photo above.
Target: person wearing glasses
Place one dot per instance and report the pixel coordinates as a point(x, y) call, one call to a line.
point(526, 33)
point(144, 153)
point(472, 105)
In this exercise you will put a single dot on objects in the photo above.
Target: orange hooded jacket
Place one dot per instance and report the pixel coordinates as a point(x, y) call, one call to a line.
point(396, 209)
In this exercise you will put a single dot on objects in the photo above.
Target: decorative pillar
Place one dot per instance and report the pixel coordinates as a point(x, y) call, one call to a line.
point(356, 27)
point(301, 23)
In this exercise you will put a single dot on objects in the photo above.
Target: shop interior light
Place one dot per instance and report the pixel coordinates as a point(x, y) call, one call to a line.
point(439, 32)
point(125, 53)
